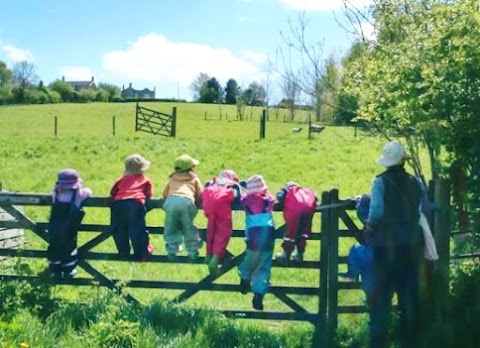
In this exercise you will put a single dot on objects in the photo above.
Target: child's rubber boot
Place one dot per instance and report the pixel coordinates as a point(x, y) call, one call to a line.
point(172, 257)
point(244, 286)
point(283, 258)
point(149, 253)
point(297, 257)
point(193, 256)
point(257, 302)
point(213, 265)
point(208, 258)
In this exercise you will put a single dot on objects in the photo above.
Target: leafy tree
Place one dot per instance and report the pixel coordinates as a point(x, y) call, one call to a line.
point(54, 96)
point(255, 94)
point(421, 79)
point(211, 92)
point(5, 84)
point(327, 90)
point(241, 104)
point(23, 77)
point(232, 90)
point(112, 92)
point(198, 84)
point(347, 104)
point(87, 95)
point(62, 88)
point(5, 75)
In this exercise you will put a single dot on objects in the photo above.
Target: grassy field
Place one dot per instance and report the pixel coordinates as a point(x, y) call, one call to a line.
point(30, 157)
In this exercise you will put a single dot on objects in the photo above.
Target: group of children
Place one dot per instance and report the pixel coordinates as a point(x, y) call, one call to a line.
point(183, 194)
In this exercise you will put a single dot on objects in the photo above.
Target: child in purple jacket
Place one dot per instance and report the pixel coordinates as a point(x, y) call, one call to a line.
point(255, 269)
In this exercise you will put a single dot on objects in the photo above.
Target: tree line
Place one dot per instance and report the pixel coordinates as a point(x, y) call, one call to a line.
point(21, 85)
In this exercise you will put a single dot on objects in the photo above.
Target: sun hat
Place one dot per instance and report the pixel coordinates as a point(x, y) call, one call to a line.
point(393, 154)
point(291, 184)
point(256, 184)
point(136, 164)
point(68, 179)
point(227, 177)
point(185, 162)
point(228, 174)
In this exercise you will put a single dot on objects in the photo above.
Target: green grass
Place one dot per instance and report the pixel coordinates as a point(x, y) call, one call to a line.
point(31, 156)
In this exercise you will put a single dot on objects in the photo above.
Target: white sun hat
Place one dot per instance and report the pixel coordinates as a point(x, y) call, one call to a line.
point(393, 154)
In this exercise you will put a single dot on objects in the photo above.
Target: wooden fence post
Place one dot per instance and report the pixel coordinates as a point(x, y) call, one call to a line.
point(441, 267)
point(262, 125)
point(55, 126)
point(320, 337)
point(113, 125)
point(309, 129)
point(332, 320)
point(137, 109)
point(173, 132)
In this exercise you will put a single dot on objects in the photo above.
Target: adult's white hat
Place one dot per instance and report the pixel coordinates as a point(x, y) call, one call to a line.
point(393, 154)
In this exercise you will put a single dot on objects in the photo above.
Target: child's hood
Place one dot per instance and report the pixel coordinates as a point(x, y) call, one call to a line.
point(184, 176)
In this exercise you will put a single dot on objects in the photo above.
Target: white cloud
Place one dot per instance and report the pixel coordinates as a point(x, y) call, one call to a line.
point(323, 5)
point(76, 73)
point(15, 54)
point(154, 59)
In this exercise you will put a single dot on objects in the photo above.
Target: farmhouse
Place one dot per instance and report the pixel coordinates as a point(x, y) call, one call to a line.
point(145, 93)
point(79, 85)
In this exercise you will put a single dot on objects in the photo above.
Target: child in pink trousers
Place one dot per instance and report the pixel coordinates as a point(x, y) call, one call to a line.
point(299, 204)
point(255, 269)
point(218, 198)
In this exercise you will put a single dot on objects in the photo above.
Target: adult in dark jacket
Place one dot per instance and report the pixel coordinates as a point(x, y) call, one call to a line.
point(397, 242)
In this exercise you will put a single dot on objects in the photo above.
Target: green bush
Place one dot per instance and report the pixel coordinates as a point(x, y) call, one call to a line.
point(32, 295)
point(464, 304)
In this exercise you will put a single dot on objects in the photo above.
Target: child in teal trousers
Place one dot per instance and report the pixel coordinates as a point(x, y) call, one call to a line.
point(255, 269)
point(182, 194)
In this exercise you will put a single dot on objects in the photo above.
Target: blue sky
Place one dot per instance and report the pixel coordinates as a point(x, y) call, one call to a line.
point(162, 44)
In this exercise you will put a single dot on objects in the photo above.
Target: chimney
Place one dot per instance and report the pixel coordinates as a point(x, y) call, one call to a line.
point(130, 85)
point(92, 79)
point(63, 78)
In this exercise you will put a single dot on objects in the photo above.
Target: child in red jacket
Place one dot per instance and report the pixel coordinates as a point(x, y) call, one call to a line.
point(128, 210)
point(218, 198)
point(299, 204)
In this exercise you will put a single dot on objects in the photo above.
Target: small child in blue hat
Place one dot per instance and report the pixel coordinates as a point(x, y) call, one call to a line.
point(360, 256)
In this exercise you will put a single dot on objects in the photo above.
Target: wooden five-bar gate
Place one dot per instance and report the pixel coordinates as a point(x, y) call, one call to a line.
point(335, 222)
point(155, 122)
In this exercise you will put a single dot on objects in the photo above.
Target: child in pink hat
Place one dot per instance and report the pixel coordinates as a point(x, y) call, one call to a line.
point(255, 269)
point(218, 198)
point(65, 218)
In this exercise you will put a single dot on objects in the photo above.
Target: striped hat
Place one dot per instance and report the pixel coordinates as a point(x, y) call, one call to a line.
point(228, 174)
point(256, 184)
